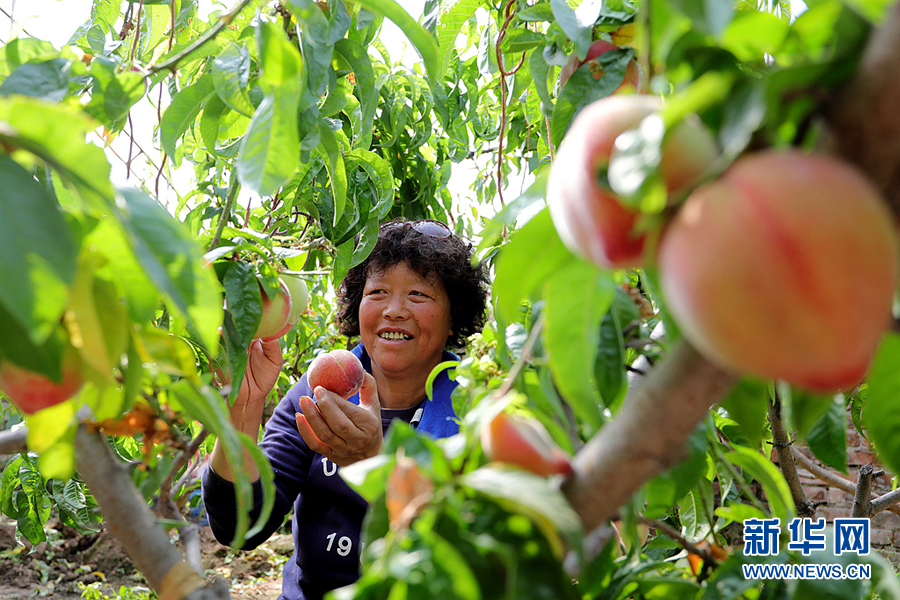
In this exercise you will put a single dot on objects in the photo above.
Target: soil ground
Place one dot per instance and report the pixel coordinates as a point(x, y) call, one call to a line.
point(61, 567)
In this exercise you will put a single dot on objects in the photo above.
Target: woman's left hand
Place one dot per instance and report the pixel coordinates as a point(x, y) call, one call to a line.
point(339, 430)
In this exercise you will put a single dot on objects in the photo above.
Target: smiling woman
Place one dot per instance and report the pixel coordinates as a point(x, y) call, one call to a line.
point(416, 297)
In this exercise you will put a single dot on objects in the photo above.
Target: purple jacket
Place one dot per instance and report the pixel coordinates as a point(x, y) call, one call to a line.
point(328, 514)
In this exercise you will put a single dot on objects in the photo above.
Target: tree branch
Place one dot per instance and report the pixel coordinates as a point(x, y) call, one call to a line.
point(13, 441)
point(647, 436)
point(861, 505)
point(782, 444)
point(887, 502)
point(132, 522)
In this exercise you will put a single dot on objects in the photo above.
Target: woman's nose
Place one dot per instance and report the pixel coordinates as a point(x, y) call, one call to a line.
point(395, 308)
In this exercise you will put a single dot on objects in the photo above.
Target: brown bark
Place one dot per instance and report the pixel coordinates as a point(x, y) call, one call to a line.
point(782, 444)
point(129, 518)
point(647, 436)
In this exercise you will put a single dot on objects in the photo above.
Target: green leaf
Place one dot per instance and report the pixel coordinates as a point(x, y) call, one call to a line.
point(231, 75)
point(270, 149)
point(174, 262)
point(38, 249)
point(708, 16)
point(205, 405)
point(358, 59)
point(572, 332)
point(337, 174)
point(756, 466)
point(242, 293)
point(575, 23)
point(827, 437)
point(531, 257)
point(454, 15)
point(880, 414)
point(424, 43)
point(609, 367)
point(182, 112)
point(46, 80)
point(747, 404)
point(56, 133)
point(521, 492)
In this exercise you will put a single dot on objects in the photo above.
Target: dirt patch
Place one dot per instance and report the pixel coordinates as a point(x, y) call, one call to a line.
point(54, 569)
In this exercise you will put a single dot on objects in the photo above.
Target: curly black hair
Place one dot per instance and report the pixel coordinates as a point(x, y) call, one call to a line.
point(447, 258)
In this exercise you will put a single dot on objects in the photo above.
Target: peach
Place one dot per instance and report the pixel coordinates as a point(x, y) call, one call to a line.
point(338, 371)
point(524, 442)
point(32, 391)
point(590, 219)
point(634, 76)
point(275, 312)
point(299, 295)
point(783, 268)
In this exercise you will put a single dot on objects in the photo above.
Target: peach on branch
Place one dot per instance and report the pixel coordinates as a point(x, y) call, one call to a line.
point(338, 371)
point(524, 442)
point(634, 76)
point(275, 312)
point(32, 391)
point(590, 218)
point(784, 268)
point(299, 295)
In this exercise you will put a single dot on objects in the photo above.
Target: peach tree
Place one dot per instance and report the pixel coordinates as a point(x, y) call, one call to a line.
point(610, 446)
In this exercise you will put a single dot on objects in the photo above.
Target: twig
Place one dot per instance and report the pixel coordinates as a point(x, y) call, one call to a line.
point(887, 502)
point(226, 212)
point(782, 444)
point(509, 11)
point(212, 32)
point(670, 531)
point(862, 506)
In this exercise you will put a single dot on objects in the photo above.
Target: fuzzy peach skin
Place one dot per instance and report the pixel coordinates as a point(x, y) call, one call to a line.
point(32, 391)
point(589, 218)
point(275, 313)
point(784, 268)
point(338, 371)
point(515, 440)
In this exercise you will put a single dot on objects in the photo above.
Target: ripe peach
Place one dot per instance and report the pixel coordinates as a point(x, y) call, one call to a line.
point(523, 442)
point(275, 312)
point(589, 217)
point(338, 371)
point(32, 391)
point(784, 268)
point(299, 295)
point(634, 76)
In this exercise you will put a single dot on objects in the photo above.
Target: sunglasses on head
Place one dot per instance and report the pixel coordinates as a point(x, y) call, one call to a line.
point(428, 227)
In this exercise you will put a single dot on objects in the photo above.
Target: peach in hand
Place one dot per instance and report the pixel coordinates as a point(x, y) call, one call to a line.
point(784, 268)
point(275, 312)
point(338, 371)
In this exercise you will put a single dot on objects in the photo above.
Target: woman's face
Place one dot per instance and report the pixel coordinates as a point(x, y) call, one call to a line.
point(404, 321)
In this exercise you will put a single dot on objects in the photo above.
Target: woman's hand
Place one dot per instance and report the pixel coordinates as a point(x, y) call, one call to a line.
point(264, 361)
point(339, 430)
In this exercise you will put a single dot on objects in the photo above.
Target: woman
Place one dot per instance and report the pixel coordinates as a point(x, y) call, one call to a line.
point(415, 295)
